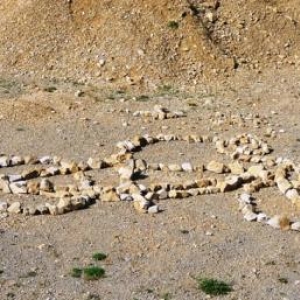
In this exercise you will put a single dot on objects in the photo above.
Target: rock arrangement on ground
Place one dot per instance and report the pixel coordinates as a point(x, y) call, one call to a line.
point(251, 168)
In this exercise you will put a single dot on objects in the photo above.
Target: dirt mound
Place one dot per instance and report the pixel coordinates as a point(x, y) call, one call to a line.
point(146, 43)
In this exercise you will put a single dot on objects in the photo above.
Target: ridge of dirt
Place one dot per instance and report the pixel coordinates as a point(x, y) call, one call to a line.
point(148, 43)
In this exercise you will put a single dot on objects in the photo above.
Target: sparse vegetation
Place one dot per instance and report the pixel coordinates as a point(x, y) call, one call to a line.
point(88, 273)
point(76, 272)
point(173, 24)
point(142, 98)
point(212, 286)
point(166, 296)
point(93, 273)
point(99, 256)
point(283, 280)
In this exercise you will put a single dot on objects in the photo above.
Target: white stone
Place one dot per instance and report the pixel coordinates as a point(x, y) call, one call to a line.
point(4, 161)
point(292, 194)
point(296, 226)
point(3, 206)
point(262, 217)
point(187, 167)
point(17, 160)
point(15, 177)
point(154, 209)
point(250, 216)
point(14, 208)
point(45, 160)
point(19, 187)
point(245, 198)
point(125, 173)
point(255, 170)
point(284, 185)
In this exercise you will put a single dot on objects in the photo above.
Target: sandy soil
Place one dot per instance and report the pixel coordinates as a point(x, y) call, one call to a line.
point(159, 256)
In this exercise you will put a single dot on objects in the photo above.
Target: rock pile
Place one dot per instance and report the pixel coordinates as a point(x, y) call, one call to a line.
point(251, 168)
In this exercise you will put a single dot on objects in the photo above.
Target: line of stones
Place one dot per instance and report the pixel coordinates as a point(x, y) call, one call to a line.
point(244, 147)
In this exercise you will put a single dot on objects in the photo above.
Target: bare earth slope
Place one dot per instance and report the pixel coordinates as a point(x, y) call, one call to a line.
point(146, 42)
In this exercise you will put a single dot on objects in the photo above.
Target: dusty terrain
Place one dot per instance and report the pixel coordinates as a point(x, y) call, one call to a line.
point(129, 59)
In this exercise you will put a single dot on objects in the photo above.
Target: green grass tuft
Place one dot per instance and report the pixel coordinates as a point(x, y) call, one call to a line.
point(99, 256)
point(213, 286)
point(93, 273)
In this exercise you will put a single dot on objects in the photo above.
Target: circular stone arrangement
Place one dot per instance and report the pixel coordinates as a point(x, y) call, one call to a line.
point(245, 149)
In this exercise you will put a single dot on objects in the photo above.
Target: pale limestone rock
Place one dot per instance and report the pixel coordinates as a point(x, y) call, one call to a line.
point(83, 166)
point(256, 170)
point(262, 217)
point(162, 194)
point(174, 194)
point(140, 203)
point(126, 197)
point(30, 159)
point(126, 145)
point(14, 208)
point(236, 168)
point(292, 194)
point(125, 173)
point(79, 202)
point(296, 226)
point(46, 185)
point(4, 162)
point(279, 222)
point(245, 198)
point(64, 205)
point(190, 184)
point(4, 187)
point(53, 171)
point(194, 192)
point(3, 206)
point(95, 163)
point(140, 165)
point(16, 160)
point(215, 167)
point(154, 209)
point(231, 183)
point(19, 187)
point(45, 160)
point(110, 196)
point(250, 216)
point(187, 167)
point(69, 166)
point(283, 185)
point(14, 177)
point(174, 168)
point(202, 183)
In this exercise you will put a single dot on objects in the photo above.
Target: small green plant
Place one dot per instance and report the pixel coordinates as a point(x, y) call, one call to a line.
point(93, 273)
point(76, 272)
point(173, 24)
point(99, 256)
point(213, 286)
